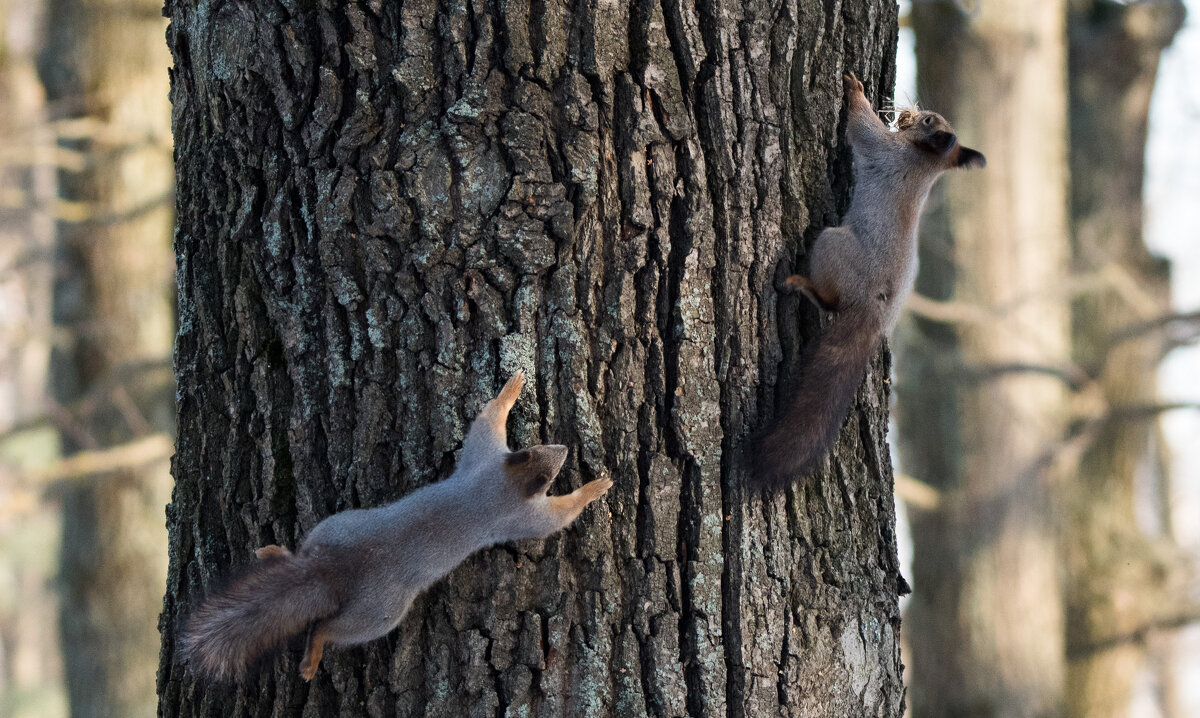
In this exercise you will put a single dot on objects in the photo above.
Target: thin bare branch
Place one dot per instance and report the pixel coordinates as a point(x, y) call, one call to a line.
point(67, 423)
point(949, 312)
point(66, 418)
point(1180, 328)
point(1181, 618)
point(1073, 376)
point(918, 494)
point(85, 464)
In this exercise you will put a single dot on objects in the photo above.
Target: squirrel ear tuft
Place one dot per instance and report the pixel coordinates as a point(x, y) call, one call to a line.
point(970, 159)
point(905, 117)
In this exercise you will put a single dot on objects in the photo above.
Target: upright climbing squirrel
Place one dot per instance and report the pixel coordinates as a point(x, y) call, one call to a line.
point(863, 271)
point(357, 572)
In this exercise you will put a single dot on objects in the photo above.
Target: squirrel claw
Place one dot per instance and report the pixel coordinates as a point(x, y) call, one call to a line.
point(853, 84)
point(593, 490)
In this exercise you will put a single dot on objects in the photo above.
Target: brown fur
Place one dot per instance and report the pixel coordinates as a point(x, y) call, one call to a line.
point(316, 648)
point(906, 117)
point(830, 371)
point(496, 412)
point(570, 506)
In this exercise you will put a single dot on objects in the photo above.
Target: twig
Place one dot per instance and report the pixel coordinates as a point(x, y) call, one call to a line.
point(1186, 323)
point(66, 422)
point(917, 494)
point(948, 312)
point(1074, 377)
point(1180, 619)
point(85, 464)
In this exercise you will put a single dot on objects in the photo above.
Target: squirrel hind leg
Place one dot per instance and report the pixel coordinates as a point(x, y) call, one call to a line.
point(315, 649)
point(822, 300)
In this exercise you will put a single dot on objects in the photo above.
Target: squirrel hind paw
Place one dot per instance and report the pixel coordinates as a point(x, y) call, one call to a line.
point(803, 285)
point(852, 84)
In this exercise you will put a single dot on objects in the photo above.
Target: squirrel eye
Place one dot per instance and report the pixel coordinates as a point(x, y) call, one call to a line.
point(928, 120)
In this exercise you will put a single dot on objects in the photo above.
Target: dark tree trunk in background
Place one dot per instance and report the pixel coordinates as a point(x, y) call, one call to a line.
point(387, 208)
point(104, 64)
point(1122, 573)
point(982, 399)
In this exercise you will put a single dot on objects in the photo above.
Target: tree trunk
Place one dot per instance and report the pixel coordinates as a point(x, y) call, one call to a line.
point(982, 400)
point(385, 209)
point(1121, 571)
point(104, 64)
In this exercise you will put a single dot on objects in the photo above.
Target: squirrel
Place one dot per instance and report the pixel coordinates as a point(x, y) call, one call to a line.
point(862, 270)
point(357, 572)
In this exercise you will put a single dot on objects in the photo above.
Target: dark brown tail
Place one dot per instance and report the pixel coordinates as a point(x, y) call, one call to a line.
point(276, 599)
point(830, 371)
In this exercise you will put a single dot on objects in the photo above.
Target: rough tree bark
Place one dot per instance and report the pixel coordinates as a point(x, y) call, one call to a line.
point(386, 208)
point(1121, 575)
point(104, 65)
point(982, 400)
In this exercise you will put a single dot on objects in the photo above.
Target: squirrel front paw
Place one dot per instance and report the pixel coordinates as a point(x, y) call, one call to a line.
point(593, 490)
point(853, 85)
point(508, 395)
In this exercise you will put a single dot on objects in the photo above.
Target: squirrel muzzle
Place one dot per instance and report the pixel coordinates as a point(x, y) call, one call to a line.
point(942, 142)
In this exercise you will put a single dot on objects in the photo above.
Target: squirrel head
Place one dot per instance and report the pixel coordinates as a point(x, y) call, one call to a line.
point(532, 470)
point(932, 134)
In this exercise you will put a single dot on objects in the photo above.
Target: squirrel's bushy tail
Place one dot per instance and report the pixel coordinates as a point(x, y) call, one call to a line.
point(830, 371)
point(274, 600)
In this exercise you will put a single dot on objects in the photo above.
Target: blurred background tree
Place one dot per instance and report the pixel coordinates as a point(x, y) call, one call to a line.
point(982, 403)
point(30, 663)
point(102, 64)
point(1125, 576)
point(1097, 460)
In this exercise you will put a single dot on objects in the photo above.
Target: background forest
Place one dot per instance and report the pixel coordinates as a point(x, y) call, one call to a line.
point(1044, 400)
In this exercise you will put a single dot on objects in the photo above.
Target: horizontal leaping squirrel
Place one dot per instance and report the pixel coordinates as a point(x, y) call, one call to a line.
point(357, 572)
point(863, 270)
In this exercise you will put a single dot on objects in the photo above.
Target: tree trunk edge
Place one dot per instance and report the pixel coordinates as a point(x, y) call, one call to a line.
point(677, 445)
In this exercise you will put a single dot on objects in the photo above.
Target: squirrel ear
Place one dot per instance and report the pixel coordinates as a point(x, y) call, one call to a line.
point(970, 159)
